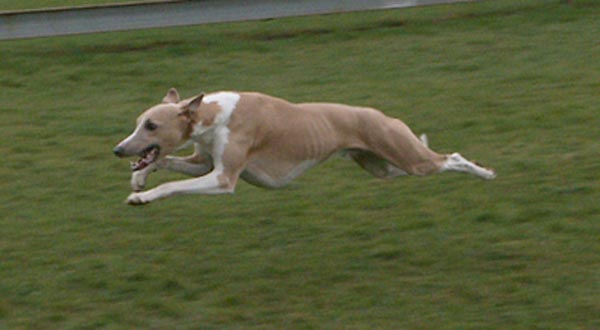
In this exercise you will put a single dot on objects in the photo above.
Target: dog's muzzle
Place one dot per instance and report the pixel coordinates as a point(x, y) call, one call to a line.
point(148, 156)
point(119, 151)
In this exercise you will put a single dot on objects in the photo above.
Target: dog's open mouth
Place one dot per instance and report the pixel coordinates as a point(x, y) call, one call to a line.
point(149, 156)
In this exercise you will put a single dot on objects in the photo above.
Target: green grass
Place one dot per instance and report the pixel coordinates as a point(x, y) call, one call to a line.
point(39, 4)
point(513, 84)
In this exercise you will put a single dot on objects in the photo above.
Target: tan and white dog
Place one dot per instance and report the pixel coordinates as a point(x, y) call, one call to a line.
point(268, 142)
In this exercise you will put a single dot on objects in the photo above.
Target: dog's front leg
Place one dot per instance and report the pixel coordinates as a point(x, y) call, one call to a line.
point(195, 165)
point(138, 178)
point(188, 165)
point(216, 182)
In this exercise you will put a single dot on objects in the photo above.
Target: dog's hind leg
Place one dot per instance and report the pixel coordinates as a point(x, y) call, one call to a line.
point(424, 139)
point(395, 143)
point(456, 162)
point(375, 165)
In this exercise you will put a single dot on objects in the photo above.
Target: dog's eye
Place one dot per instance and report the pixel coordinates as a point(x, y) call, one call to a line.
point(149, 125)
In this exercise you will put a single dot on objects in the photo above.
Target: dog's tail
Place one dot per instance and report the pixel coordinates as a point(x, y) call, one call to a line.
point(424, 139)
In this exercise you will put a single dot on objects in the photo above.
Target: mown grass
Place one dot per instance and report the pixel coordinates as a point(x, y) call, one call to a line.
point(511, 83)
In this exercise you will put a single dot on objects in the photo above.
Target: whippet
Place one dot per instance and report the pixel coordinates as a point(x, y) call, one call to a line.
point(268, 142)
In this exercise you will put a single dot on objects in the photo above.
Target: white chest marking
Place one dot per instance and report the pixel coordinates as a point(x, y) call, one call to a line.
point(216, 135)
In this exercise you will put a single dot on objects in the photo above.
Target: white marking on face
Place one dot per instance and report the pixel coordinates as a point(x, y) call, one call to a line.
point(227, 101)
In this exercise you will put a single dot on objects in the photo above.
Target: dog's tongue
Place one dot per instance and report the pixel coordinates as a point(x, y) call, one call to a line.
point(143, 162)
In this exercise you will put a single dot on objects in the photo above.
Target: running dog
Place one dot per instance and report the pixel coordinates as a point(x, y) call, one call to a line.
point(268, 142)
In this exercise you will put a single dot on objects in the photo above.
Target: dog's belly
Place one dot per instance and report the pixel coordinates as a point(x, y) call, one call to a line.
point(273, 174)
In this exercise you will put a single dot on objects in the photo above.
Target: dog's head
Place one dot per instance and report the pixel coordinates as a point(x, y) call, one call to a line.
point(160, 130)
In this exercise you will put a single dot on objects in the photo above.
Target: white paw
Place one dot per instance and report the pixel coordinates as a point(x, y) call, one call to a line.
point(489, 175)
point(138, 181)
point(137, 199)
point(138, 178)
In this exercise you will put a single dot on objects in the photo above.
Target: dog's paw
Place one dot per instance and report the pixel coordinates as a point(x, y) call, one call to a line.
point(136, 199)
point(138, 178)
point(138, 181)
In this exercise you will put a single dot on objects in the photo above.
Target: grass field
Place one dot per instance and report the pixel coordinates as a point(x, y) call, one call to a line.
point(513, 84)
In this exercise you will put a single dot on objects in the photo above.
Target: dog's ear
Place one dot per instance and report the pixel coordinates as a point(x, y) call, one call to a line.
point(195, 103)
point(191, 106)
point(171, 97)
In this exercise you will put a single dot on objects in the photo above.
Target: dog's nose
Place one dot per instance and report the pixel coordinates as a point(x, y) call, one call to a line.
point(119, 151)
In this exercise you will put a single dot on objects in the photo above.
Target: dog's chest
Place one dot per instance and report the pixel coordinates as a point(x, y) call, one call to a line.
point(205, 136)
point(211, 131)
